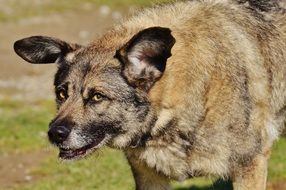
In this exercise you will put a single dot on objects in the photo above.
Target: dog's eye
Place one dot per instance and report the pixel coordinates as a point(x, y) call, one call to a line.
point(62, 95)
point(97, 97)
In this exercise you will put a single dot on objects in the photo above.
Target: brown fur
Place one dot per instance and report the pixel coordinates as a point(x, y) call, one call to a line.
point(215, 109)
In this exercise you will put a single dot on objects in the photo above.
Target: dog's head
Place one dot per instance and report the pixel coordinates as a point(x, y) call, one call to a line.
point(102, 95)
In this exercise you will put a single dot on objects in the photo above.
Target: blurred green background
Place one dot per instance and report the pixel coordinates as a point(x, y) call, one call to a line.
point(27, 161)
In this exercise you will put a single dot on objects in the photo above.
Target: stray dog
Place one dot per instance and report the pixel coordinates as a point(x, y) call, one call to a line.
point(185, 89)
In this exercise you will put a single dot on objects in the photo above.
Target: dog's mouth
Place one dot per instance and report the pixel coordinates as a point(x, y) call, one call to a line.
point(73, 154)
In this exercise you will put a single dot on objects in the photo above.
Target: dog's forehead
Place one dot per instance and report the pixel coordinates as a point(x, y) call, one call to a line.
point(87, 65)
point(98, 58)
point(96, 63)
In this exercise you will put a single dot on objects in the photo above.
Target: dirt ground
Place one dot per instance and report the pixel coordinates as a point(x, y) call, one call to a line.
point(17, 168)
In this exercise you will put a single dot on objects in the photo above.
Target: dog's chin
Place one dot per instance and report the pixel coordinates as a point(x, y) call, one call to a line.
point(79, 153)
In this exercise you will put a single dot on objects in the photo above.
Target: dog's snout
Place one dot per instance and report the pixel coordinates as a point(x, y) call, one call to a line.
point(58, 134)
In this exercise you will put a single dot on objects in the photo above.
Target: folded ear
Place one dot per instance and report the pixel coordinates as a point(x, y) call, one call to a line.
point(144, 57)
point(42, 49)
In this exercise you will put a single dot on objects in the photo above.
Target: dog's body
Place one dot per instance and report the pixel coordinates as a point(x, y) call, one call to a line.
point(185, 89)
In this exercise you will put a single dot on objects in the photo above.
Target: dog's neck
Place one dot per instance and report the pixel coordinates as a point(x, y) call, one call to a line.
point(141, 141)
point(159, 127)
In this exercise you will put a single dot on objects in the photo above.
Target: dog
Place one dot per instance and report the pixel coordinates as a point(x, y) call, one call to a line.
point(185, 89)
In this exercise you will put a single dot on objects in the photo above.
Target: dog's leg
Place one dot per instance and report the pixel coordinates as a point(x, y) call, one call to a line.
point(252, 177)
point(147, 178)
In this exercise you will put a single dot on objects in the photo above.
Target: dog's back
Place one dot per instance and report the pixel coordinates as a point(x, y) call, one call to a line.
point(250, 32)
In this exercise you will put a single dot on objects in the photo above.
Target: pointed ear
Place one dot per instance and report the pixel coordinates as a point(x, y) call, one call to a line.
point(144, 57)
point(42, 49)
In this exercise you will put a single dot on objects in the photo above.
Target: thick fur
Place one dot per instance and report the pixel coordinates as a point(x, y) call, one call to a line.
point(192, 88)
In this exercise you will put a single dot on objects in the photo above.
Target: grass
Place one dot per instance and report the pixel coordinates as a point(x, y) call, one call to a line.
point(13, 10)
point(107, 171)
point(23, 126)
point(277, 164)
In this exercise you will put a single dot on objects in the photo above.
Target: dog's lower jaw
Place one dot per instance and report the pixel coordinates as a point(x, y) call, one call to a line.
point(120, 142)
point(77, 154)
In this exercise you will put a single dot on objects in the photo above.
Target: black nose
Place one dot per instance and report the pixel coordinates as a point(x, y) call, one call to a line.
point(58, 134)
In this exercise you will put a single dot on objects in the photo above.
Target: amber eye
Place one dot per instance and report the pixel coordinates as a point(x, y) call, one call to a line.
point(62, 95)
point(97, 97)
